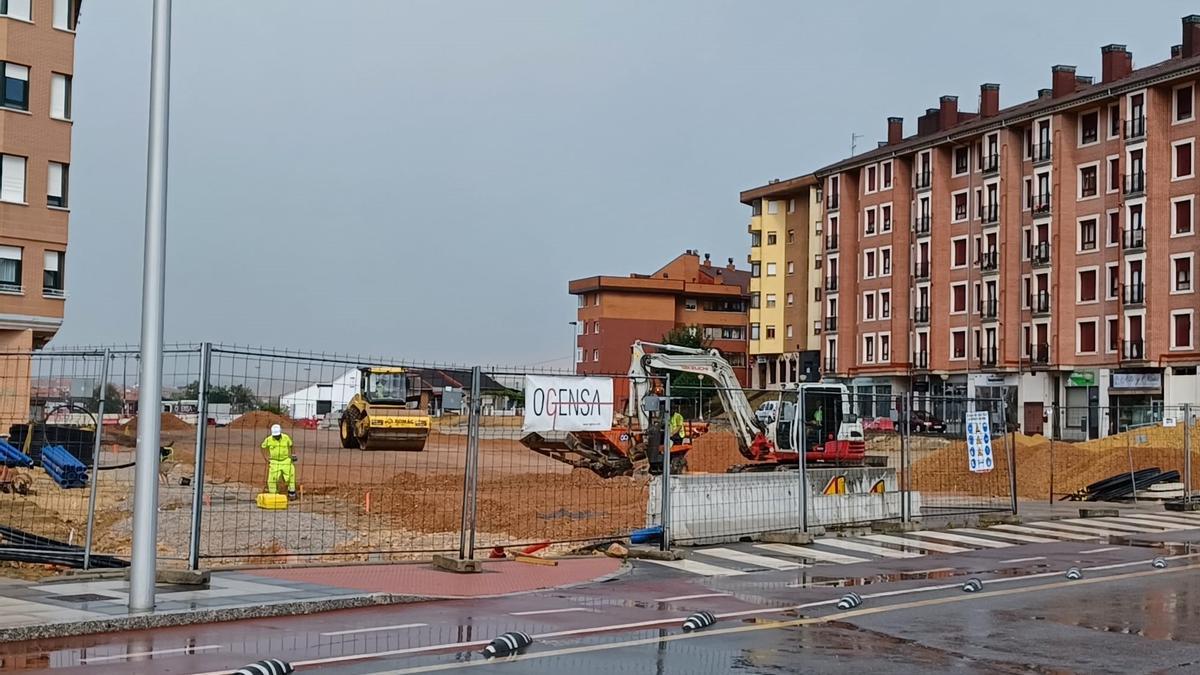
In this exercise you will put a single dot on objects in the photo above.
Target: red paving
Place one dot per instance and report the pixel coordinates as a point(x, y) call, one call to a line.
point(497, 578)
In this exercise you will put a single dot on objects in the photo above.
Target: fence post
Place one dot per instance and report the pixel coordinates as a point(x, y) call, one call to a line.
point(95, 480)
point(1187, 455)
point(1053, 415)
point(800, 425)
point(467, 527)
point(905, 474)
point(665, 544)
point(1010, 443)
point(201, 443)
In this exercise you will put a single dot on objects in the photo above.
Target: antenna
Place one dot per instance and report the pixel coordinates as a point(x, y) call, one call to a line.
point(854, 143)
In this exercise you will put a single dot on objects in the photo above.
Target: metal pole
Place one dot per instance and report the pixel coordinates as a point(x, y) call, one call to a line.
point(144, 560)
point(1187, 455)
point(665, 545)
point(1050, 497)
point(905, 476)
point(93, 487)
point(1010, 443)
point(802, 422)
point(201, 446)
point(466, 539)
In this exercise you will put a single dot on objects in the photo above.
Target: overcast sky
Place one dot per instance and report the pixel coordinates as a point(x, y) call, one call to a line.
point(421, 179)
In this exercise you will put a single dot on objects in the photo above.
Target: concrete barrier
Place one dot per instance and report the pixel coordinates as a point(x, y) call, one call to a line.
point(716, 508)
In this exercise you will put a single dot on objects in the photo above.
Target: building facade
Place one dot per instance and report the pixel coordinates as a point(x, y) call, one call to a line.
point(785, 259)
point(1038, 254)
point(614, 312)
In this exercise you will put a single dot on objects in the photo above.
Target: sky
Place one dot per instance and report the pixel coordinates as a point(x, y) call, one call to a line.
point(421, 179)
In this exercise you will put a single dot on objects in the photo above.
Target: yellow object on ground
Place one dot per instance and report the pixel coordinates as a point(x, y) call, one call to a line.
point(272, 502)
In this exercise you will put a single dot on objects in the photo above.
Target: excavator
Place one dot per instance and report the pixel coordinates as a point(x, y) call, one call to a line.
point(385, 414)
point(814, 416)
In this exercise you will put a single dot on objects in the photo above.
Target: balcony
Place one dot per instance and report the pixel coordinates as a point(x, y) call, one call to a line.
point(920, 360)
point(1041, 254)
point(1135, 128)
point(989, 214)
point(8, 288)
point(988, 357)
point(1134, 295)
point(831, 202)
point(921, 271)
point(921, 226)
point(831, 241)
point(1133, 239)
point(831, 324)
point(989, 262)
point(921, 315)
point(1039, 355)
point(1041, 152)
point(831, 364)
point(55, 293)
point(1135, 184)
point(923, 180)
point(754, 227)
point(831, 284)
point(990, 310)
point(990, 164)
point(1041, 204)
point(1133, 350)
point(1041, 304)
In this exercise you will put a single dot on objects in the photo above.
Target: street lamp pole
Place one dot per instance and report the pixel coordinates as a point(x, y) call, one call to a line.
point(574, 346)
point(144, 559)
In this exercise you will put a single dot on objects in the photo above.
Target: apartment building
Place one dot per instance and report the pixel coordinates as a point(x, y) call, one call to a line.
point(615, 311)
point(1042, 253)
point(785, 259)
point(37, 56)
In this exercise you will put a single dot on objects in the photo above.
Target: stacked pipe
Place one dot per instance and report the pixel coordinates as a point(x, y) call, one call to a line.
point(63, 468)
point(12, 458)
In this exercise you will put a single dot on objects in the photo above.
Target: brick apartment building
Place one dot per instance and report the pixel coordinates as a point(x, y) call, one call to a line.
point(1042, 253)
point(616, 311)
point(785, 263)
point(37, 54)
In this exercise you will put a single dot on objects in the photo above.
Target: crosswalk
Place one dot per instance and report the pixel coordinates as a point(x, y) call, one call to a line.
point(717, 561)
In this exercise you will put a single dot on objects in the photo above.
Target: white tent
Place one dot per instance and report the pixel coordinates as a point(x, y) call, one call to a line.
point(318, 399)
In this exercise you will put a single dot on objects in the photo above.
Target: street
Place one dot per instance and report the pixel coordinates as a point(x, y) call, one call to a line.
point(776, 614)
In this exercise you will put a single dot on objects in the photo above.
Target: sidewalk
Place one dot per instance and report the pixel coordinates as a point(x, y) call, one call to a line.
point(65, 607)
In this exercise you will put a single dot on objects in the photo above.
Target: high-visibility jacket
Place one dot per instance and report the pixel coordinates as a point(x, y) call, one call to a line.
point(676, 424)
point(279, 449)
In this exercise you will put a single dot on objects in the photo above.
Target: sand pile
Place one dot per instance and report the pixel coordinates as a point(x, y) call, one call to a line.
point(168, 422)
point(261, 419)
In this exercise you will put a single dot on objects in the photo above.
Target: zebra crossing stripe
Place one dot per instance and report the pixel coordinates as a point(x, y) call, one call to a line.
point(866, 548)
point(1161, 524)
point(750, 559)
point(960, 539)
point(1111, 524)
point(1057, 534)
point(917, 544)
point(811, 553)
point(1011, 536)
point(1095, 531)
point(696, 567)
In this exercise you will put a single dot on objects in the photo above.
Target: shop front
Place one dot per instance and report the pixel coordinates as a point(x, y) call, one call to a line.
point(1136, 398)
point(1081, 414)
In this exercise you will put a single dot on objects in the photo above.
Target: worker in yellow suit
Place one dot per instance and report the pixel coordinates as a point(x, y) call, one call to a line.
point(277, 450)
point(677, 428)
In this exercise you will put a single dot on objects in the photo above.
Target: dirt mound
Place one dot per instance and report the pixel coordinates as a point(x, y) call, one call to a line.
point(168, 422)
point(715, 452)
point(261, 419)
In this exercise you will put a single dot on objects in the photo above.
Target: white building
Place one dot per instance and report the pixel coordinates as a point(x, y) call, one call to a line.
point(318, 399)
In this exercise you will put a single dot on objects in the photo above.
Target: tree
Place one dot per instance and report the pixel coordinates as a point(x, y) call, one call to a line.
point(113, 400)
point(687, 388)
point(240, 397)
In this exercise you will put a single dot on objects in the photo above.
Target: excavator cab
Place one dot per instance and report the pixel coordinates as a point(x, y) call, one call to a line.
point(831, 433)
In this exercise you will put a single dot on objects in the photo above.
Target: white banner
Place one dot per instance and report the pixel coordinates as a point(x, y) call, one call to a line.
point(554, 403)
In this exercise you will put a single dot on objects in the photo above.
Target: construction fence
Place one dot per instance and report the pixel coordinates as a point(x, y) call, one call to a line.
point(479, 484)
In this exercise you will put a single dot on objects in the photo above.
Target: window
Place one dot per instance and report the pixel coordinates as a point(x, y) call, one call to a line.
point(791, 237)
point(870, 221)
point(960, 206)
point(10, 269)
point(690, 304)
point(772, 207)
point(1114, 173)
point(958, 257)
point(791, 268)
point(56, 184)
point(755, 300)
point(791, 206)
point(596, 327)
point(753, 331)
point(885, 347)
point(791, 299)
point(1114, 228)
point(871, 178)
point(770, 269)
point(596, 300)
point(16, 86)
point(771, 239)
point(886, 170)
point(789, 331)
point(885, 304)
point(1182, 268)
point(1114, 281)
point(1114, 120)
point(579, 354)
point(1112, 334)
point(1181, 167)
point(1086, 286)
point(885, 218)
point(1087, 181)
point(1184, 97)
point(962, 160)
point(583, 300)
point(869, 306)
point(1085, 337)
point(756, 207)
point(817, 262)
point(958, 344)
point(1181, 329)
point(12, 179)
point(868, 349)
point(596, 355)
point(869, 264)
point(1181, 215)
point(770, 300)
point(65, 14)
point(958, 298)
point(1027, 192)
point(755, 270)
point(770, 332)
point(1087, 234)
point(1089, 127)
point(885, 261)
point(15, 9)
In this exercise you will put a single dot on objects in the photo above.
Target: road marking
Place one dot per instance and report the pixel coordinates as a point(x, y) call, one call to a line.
point(376, 629)
point(807, 621)
point(1168, 518)
point(696, 567)
point(960, 538)
point(1188, 516)
point(1094, 532)
point(1023, 538)
point(1111, 524)
point(917, 544)
point(811, 553)
point(750, 559)
point(536, 612)
point(158, 652)
point(1046, 532)
point(1103, 550)
point(1161, 524)
point(1020, 560)
point(694, 597)
point(866, 548)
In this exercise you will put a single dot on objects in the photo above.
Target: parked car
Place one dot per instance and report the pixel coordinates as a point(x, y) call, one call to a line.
point(767, 411)
point(923, 422)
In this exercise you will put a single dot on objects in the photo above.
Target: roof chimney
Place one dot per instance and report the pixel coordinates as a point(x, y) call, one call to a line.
point(707, 261)
point(1115, 62)
point(729, 265)
point(1191, 36)
point(1062, 80)
point(1044, 93)
point(989, 100)
point(1176, 51)
point(895, 130)
point(1082, 81)
point(947, 112)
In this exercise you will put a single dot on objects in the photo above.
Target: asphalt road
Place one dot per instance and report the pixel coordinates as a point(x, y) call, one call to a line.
point(1123, 616)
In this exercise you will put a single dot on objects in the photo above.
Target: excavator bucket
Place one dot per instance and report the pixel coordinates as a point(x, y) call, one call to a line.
point(603, 453)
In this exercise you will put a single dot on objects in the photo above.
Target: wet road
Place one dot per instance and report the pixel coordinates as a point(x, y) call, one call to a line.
point(1122, 617)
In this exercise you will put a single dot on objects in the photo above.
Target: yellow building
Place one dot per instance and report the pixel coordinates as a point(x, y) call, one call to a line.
point(785, 273)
